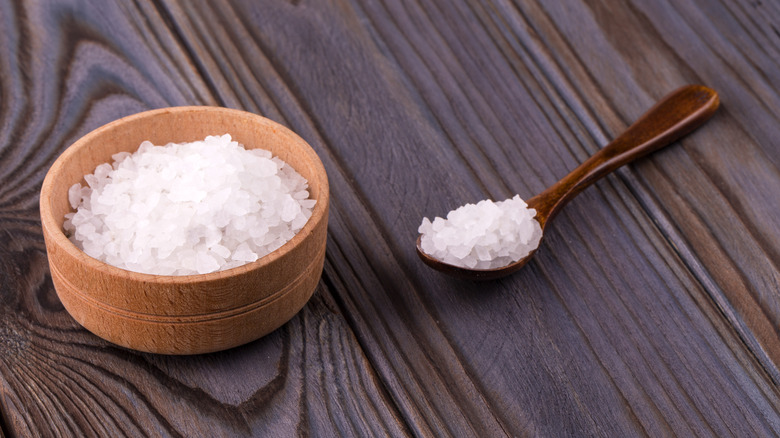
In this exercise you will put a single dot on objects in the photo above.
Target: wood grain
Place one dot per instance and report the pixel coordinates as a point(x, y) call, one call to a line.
point(73, 67)
point(303, 379)
point(612, 335)
point(732, 173)
point(651, 310)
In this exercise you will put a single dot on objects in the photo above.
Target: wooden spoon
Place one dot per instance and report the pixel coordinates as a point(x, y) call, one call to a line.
point(672, 117)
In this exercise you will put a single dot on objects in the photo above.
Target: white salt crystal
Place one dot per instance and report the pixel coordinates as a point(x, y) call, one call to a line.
point(300, 220)
point(101, 172)
point(205, 263)
point(118, 157)
point(221, 251)
point(92, 180)
point(487, 235)
point(244, 254)
point(483, 253)
point(189, 208)
point(74, 195)
point(290, 208)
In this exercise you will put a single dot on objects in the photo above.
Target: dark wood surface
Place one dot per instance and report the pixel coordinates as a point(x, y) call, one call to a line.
point(652, 308)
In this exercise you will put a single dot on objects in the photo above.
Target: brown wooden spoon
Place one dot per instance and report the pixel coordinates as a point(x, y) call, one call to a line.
point(672, 117)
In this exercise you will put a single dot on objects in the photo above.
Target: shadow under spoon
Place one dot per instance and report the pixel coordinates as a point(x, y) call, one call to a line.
point(674, 116)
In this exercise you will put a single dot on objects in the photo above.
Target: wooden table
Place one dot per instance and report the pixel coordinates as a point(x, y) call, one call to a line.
point(652, 307)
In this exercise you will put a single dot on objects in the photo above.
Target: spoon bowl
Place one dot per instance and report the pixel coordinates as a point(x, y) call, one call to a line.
point(674, 116)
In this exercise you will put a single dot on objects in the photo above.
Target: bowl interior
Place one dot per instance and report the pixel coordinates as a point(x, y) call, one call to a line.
point(178, 124)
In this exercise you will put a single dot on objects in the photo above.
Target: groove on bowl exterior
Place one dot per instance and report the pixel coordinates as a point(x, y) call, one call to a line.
point(184, 314)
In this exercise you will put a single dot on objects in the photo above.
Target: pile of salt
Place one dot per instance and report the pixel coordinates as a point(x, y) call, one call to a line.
point(189, 208)
point(487, 235)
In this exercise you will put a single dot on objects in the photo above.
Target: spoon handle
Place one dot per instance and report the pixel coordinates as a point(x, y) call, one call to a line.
point(672, 117)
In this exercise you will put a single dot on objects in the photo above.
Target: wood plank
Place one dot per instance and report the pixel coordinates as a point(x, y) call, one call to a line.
point(69, 67)
point(304, 379)
point(610, 331)
point(732, 173)
point(630, 322)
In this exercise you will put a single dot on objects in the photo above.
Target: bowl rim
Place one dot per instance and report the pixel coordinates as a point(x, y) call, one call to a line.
point(58, 237)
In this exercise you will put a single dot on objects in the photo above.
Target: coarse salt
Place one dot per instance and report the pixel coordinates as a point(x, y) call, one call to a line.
point(486, 235)
point(189, 208)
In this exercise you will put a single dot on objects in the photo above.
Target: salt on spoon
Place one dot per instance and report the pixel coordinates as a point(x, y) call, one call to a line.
point(481, 251)
point(485, 235)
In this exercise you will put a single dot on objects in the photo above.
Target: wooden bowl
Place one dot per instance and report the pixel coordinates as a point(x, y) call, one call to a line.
point(195, 313)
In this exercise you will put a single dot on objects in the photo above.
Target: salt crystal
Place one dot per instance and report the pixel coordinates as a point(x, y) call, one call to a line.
point(118, 157)
point(300, 220)
point(307, 204)
point(244, 254)
point(220, 250)
point(74, 195)
point(290, 209)
point(487, 235)
point(101, 172)
point(483, 253)
point(189, 208)
point(92, 180)
point(204, 263)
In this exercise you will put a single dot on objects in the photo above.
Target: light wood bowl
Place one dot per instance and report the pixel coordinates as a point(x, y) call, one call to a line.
point(184, 314)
